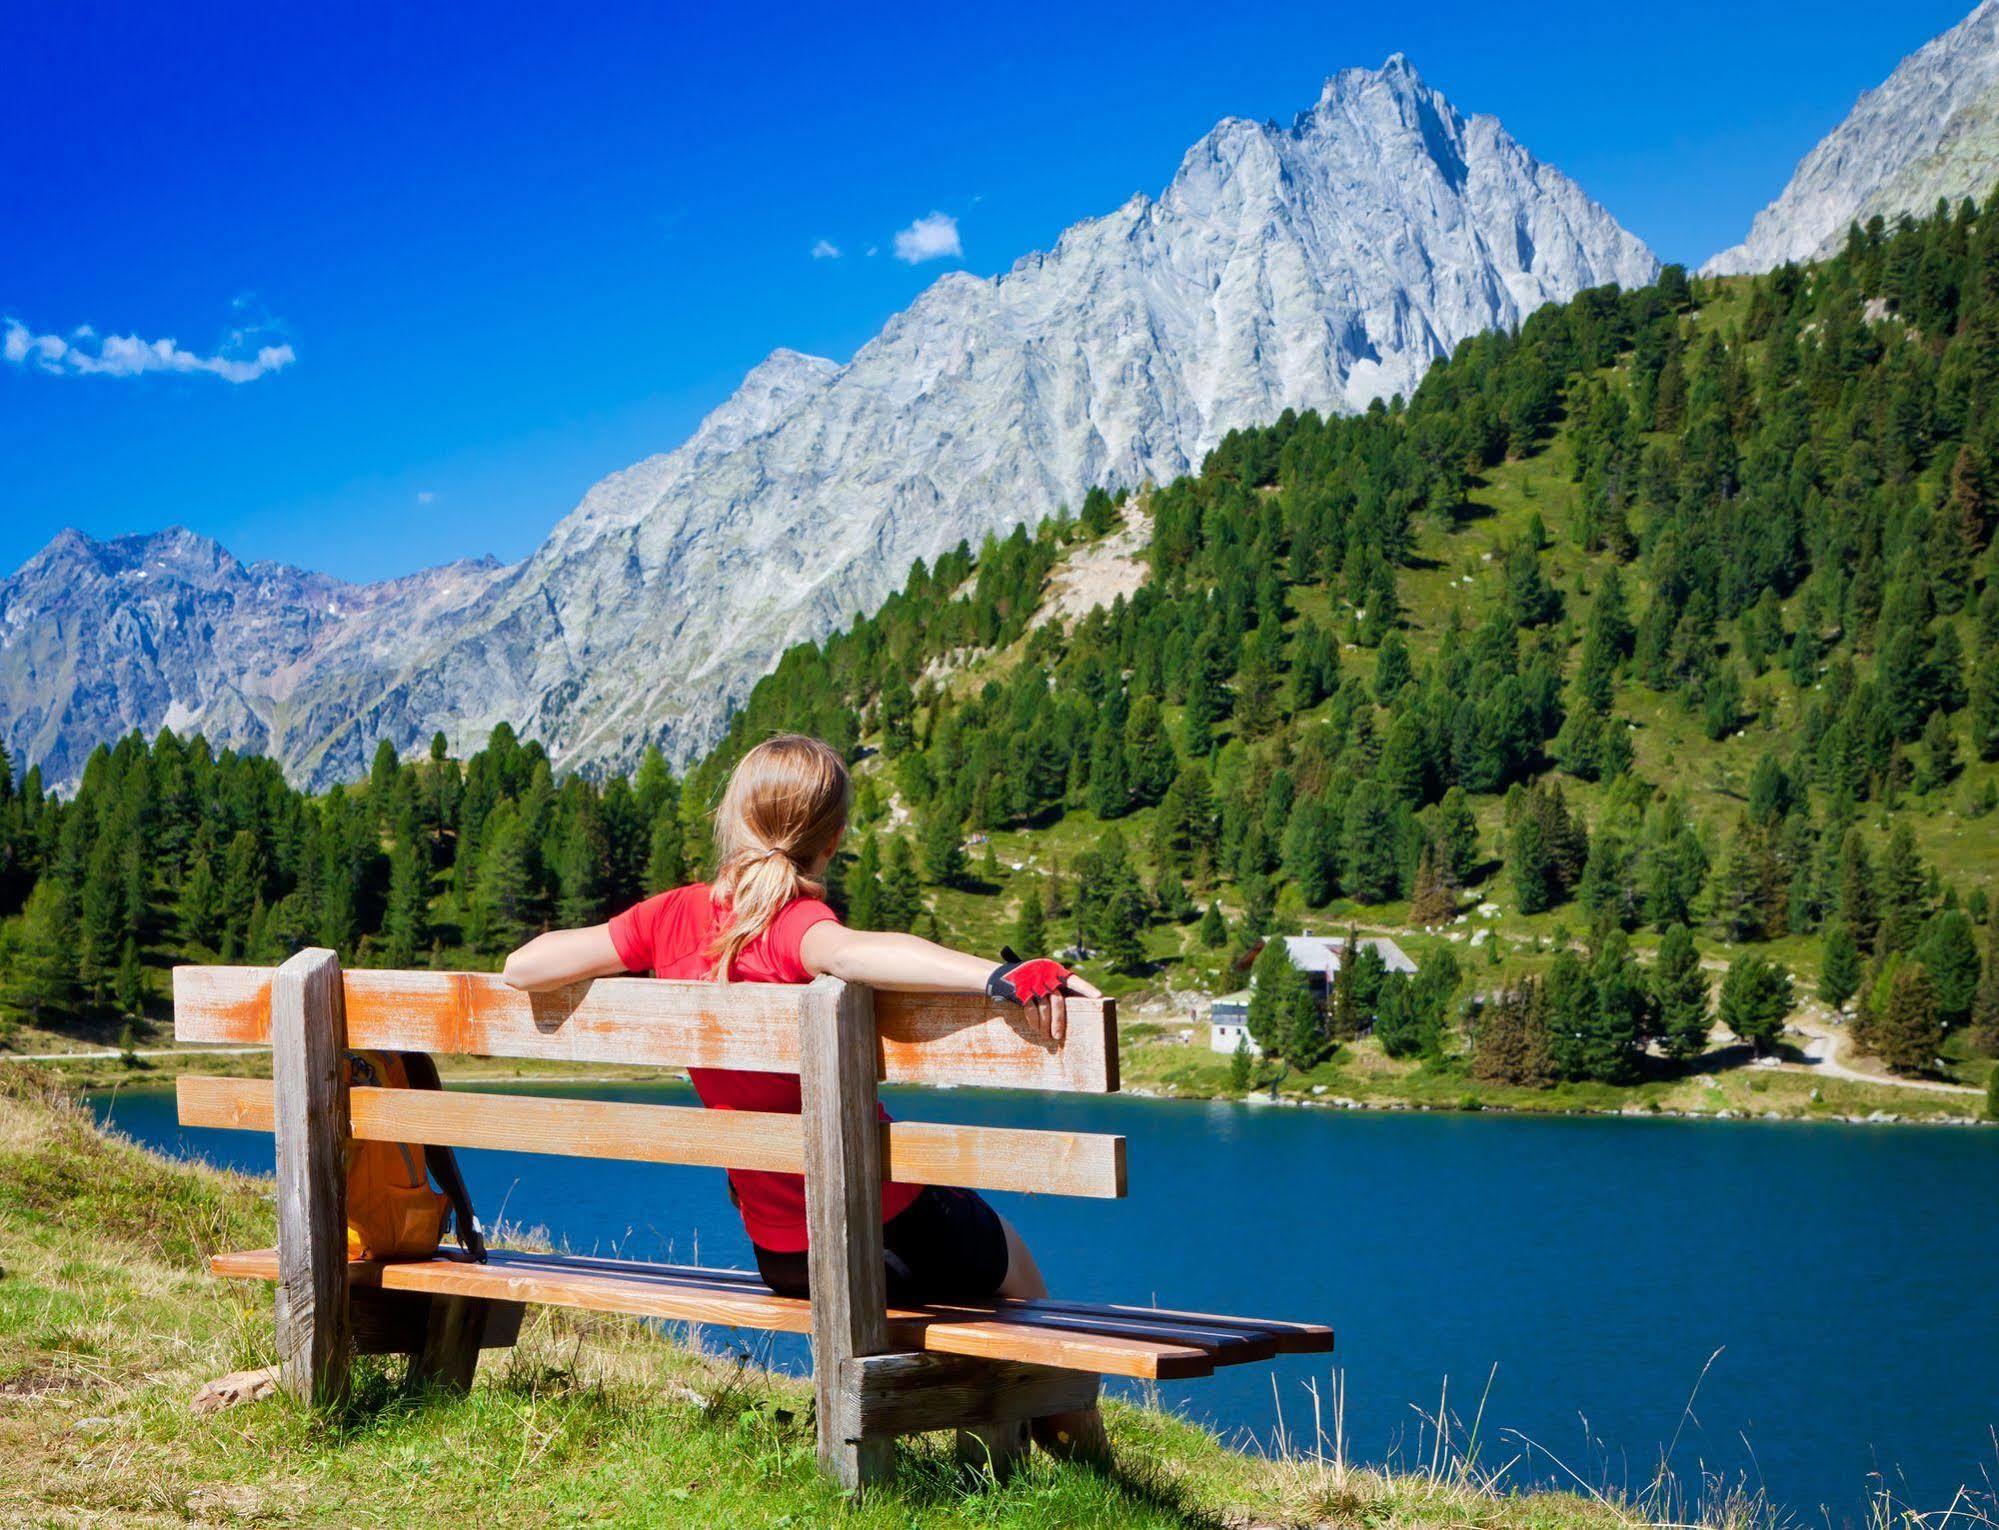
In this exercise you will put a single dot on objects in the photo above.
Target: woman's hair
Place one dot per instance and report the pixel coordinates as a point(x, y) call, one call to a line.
point(785, 806)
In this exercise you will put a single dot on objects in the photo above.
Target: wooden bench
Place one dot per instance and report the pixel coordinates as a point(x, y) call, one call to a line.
point(983, 1369)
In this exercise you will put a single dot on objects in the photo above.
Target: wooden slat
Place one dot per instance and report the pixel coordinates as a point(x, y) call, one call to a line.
point(916, 1152)
point(924, 1038)
point(843, 1218)
point(735, 1301)
point(904, 1393)
point(309, 1075)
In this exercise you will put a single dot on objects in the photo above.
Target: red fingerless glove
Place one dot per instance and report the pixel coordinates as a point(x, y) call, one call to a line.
point(1019, 982)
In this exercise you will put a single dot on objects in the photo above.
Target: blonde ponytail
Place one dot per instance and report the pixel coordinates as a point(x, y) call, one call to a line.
point(785, 807)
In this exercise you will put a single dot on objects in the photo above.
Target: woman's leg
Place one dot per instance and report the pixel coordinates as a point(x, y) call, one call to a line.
point(1076, 1434)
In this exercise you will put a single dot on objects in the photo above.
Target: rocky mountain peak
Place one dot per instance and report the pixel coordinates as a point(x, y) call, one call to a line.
point(1316, 265)
point(1929, 131)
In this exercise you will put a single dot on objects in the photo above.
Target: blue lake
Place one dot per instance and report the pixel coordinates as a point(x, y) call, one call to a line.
point(1846, 1279)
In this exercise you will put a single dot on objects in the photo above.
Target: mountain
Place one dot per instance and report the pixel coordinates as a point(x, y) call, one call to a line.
point(1316, 265)
point(170, 630)
point(1930, 130)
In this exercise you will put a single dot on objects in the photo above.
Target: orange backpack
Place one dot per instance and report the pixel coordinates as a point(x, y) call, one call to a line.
point(393, 1210)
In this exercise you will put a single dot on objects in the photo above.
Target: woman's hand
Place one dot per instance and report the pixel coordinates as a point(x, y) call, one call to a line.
point(1038, 985)
point(562, 957)
point(911, 964)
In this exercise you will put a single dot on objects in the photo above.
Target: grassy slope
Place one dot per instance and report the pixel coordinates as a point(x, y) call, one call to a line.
point(107, 1325)
point(1463, 567)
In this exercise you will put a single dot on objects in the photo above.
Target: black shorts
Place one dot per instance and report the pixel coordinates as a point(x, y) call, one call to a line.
point(947, 1245)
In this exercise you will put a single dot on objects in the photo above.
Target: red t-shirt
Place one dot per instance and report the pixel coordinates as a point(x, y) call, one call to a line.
point(671, 936)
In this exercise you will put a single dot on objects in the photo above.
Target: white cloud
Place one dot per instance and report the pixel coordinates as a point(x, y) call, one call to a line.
point(426, 496)
point(929, 238)
point(825, 249)
point(84, 354)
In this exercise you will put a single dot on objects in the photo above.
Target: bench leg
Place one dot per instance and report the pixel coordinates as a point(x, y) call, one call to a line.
point(458, 1328)
point(997, 1447)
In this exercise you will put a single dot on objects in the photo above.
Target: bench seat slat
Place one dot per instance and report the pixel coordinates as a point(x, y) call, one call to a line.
point(1131, 1341)
point(976, 1157)
point(923, 1038)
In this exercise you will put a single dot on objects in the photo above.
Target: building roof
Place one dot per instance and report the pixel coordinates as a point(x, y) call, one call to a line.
point(1321, 953)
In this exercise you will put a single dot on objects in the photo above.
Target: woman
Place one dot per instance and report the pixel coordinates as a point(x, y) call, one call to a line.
point(763, 920)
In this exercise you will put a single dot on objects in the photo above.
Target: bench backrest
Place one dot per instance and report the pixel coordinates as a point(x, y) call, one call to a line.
point(947, 1039)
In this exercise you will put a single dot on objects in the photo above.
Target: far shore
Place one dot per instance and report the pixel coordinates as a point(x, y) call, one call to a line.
point(1175, 1068)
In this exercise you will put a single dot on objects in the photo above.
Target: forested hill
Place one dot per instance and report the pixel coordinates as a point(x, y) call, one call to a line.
point(1663, 628)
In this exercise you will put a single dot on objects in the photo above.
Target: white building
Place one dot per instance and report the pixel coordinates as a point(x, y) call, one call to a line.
point(1228, 1025)
point(1318, 956)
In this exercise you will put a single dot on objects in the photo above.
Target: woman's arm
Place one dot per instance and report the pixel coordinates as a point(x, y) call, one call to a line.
point(561, 957)
point(883, 959)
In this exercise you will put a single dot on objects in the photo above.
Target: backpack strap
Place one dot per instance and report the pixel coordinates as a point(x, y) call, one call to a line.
point(443, 1164)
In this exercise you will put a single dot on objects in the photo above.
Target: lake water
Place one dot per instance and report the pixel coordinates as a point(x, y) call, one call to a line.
point(1848, 1277)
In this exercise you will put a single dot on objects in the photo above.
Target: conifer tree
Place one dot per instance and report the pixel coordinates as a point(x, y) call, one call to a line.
point(1948, 951)
point(1900, 892)
point(1510, 1044)
point(864, 888)
point(1680, 992)
point(943, 851)
point(1371, 860)
point(1908, 1034)
point(1839, 964)
point(1030, 927)
point(406, 919)
point(901, 890)
point(1755, 999)
point(129, 987)
point(1214, 933)
point(1457, 837)
point(1985, 1004)
point(1431, 903)
point(1273, 980)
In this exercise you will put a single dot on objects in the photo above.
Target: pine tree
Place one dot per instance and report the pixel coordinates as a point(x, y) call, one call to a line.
point(865, 889)
point(666, 857)
point(1855, 902)
point(1908, 1034)
point(1110, 778)
point(1680, 993)
point(39, 979)
point(901, 890)
point(1239, 1065)
point(1214, 932)
point(1030, 928)
point(502, 893)
point(1273, 980)
point(1457, 837)
point(129, 987)
point(1900, 891)
point(406, 919)
point(1985, 1004)
point(1949, 954)
point(1510, 1045)
point(1372, 870)
point(1755, 1000)
point(943, 851)
point(1356, 990)
point(1431, 904)
point(1839, 964)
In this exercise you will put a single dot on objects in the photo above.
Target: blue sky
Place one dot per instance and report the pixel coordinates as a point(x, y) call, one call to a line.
point(477, 258)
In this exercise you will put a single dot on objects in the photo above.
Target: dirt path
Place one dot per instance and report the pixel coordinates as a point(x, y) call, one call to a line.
point(1824, 1044)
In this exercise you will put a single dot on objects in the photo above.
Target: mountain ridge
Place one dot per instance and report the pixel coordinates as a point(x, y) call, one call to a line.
point(1316, 265)
point(1928, 131)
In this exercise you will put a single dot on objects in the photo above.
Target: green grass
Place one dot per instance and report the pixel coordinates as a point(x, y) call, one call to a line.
point(108, 1324)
